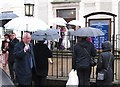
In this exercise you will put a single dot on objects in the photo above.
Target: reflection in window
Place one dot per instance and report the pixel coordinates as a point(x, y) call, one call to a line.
point(66, 13)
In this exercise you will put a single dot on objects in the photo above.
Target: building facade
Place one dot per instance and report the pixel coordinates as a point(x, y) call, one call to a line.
point(46, 10)
point(68, 9)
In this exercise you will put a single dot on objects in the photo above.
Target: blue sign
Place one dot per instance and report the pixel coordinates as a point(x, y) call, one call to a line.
point(103, 25)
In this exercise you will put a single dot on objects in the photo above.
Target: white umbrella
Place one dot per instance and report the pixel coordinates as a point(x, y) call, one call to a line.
point(50, 34)
point(88, 31)
point(26, 24)
point(75, 22)
point(59, 21)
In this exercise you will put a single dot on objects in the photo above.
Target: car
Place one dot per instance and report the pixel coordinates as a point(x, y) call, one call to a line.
point(5, 80)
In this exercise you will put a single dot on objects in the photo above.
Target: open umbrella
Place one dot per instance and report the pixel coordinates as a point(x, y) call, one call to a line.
point(75, 22)
point(7, 15)
point(88, 31)
point(26, 24)
point(50, 34)
point(58, 21)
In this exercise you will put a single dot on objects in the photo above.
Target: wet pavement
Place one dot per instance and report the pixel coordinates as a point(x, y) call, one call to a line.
point(4, 68)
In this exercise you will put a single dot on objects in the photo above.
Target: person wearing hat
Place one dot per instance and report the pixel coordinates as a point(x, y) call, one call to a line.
point(105, 64)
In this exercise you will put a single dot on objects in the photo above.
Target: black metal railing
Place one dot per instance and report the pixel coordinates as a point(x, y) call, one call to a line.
point(62, 62)
point(62, 65)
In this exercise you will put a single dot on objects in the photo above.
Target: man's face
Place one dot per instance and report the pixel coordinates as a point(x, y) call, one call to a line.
point(27, 39)
point(5, 37)
point(12, 36)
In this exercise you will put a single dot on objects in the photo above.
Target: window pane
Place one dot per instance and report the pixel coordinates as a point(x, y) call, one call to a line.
point(66, 13)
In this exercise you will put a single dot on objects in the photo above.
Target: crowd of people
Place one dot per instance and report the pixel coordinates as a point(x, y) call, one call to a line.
point(29, 62)
point(81, 61)
point(26, 62)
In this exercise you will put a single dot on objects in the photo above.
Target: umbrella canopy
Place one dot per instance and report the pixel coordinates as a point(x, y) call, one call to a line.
point(88, 31)
point(59, 21)
point(50, 34)
point(7, 15)
point(75, 22)
point(26, 24)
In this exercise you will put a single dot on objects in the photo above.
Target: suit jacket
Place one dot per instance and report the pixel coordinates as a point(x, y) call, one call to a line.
point(23, 69)
point(12, 44)
point(42, 53)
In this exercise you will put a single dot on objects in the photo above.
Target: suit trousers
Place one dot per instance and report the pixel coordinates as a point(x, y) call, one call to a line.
point(11, 70)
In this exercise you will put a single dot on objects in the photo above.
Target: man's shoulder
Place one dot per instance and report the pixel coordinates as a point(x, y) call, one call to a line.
point(19, 43)
point(16, 40)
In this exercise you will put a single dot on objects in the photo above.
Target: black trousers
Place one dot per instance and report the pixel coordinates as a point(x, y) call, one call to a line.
point(84, 77)
point(24, 85)
point(11, 70)
point(40, 81)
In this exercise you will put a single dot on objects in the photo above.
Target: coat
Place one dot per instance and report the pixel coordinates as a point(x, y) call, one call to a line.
point(42, 53)
point(12, 44)
point(23, 70)
point(3, 46)
point(81, 61)
point(106, 61)
point(79, 53)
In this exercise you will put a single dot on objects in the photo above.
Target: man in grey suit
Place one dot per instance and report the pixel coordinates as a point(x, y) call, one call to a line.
point(24, 63)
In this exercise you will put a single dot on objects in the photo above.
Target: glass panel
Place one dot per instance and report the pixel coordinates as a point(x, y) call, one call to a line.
point(26, 9)
point(66, 13)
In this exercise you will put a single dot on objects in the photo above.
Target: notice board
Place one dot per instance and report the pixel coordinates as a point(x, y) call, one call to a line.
point(105, 26)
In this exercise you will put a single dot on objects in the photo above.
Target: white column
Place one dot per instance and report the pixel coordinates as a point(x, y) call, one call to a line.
point(119, 37)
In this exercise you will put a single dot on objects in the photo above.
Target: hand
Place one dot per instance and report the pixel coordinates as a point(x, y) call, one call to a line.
point(4, 49)
point(8, 40)
point(50, 60)
point(26, 48)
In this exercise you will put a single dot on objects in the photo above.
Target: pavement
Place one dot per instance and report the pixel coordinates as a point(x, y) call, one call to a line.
point(4, 68)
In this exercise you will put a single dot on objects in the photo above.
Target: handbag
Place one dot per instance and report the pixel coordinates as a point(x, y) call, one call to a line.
point(92, 61)
point(102, 74)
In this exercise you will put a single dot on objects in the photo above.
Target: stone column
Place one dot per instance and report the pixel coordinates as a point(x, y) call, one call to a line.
point(119, 37)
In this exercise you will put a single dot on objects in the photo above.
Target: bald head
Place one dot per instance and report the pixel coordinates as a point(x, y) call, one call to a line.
point(26, 38)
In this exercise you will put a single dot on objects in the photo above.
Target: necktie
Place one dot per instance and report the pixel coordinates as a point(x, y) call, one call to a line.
point(31, 61)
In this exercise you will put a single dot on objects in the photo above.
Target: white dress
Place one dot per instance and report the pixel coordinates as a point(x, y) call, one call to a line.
point(65, 41)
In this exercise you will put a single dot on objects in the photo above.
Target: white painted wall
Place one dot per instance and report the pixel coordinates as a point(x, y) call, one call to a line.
point(41, 10)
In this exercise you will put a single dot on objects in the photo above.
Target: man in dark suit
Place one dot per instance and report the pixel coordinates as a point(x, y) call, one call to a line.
point(11, 59)
point(42, 53)
point(24, 61)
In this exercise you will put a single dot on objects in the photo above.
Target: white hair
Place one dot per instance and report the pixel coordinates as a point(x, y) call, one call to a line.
point(26, 34)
